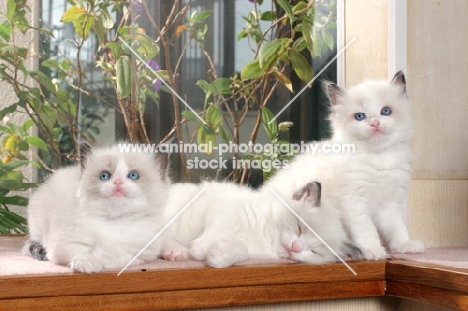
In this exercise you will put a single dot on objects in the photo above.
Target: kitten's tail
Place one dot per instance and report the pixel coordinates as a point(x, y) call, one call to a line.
point(351, 251)
point(37, 251)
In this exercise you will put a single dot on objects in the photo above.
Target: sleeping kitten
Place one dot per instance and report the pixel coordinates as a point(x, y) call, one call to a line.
point(368, 186)
point(229, 223)
point(99, 215)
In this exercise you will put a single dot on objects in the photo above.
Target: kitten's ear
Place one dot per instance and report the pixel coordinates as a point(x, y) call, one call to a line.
point(85, 150)
point(334, 92)
point(162, 163)
point(400, 81)
point(310, 193)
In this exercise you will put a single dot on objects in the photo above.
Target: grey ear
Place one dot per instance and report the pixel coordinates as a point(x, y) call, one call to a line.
point(85, 150)
point(310, 193)
point(162, 163)
point(400, 80)
point(334, 92)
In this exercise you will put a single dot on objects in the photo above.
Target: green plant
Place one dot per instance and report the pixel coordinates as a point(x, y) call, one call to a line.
point(60, 99)
point(15, 142)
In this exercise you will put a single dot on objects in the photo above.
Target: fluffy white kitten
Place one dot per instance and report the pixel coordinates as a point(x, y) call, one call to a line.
point(229, 223)
point(99, 215)
point(368, 186)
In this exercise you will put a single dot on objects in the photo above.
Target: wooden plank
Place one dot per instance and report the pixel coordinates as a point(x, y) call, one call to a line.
point(185, 279)
point(432, 275)
point(428, 294)
point(201, 298)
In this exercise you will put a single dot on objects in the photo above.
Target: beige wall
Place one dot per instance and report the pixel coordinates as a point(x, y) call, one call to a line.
point(438, 88)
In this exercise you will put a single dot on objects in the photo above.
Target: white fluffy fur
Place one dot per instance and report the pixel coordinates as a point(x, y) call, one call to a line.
point(368, 187)
point(90, 224)
point(229, 223)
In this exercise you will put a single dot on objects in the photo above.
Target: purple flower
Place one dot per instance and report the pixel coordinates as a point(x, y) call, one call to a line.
point(155, 66)
point(137, 6)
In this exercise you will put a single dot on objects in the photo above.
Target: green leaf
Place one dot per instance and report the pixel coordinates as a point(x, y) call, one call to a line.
point(286, 6)
point(224, 134)
point(11, 180)
point(124, 76)
point(268, 16)
point(11, 9)
point(301, 5)
point(48, 116)
point(202, 16)
point(208, 130)
point(7, 110)
point(214, 115)
point(271, 129)
point(268, 54)
point(74, 13)
point(328, 39)
point(10, 166)
point(301, 66)
point(222, 86)
point(307, 35)
point(14, 200)
point(252, 70)
point(191, 116)
point(107, 20)
point(36, 142)
point(204, 138)
point(5, 31)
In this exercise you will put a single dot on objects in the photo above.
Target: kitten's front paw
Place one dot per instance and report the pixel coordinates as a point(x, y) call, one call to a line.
point(176, 253)
point(199, 248)
point(373, 252)
point(224, 254)
point(86, 263)
point(408, 247)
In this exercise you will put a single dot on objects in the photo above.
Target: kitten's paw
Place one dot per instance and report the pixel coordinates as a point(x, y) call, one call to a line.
point(176, 253)
point(408, 247)
point(86, 263)
point(224, 254)
point(373, 252)
point(199, 248)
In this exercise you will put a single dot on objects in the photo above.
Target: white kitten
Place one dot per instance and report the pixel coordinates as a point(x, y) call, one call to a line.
point(102, 214)
point(369, 186)
point(229, 223)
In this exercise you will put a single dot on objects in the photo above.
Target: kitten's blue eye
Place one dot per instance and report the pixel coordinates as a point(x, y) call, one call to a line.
point(105, 175)
point(133, 175)
point(386, 111)
point(360, 116)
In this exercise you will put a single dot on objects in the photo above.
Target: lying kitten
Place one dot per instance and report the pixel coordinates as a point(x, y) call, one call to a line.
point(99, 215)
point(229, 223)
point(369, 186)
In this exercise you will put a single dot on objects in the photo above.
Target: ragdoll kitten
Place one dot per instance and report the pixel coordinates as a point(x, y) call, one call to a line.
point(229, 223)
point(368, 186)
point(99, 215)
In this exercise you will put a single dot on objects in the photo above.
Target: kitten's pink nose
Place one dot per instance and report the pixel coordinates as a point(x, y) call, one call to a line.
point(117, 181)
point(375, 123)
point(297, 246)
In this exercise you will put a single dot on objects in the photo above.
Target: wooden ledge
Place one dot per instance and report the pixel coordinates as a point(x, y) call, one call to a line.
point(433, 284)
point(173, 287)
point(192, 288)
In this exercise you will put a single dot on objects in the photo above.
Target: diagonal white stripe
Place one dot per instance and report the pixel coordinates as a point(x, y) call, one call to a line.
point(162, 230)
point(312, 81)
point(313, 231)
point(161, 79)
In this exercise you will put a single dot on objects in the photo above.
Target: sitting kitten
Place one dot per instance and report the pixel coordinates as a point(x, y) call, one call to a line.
point(99, 215)
point(229, 223)
point(368, 186)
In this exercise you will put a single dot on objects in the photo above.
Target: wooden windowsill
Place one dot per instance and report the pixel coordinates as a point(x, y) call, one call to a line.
point(238, 285)
point(193, 288)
